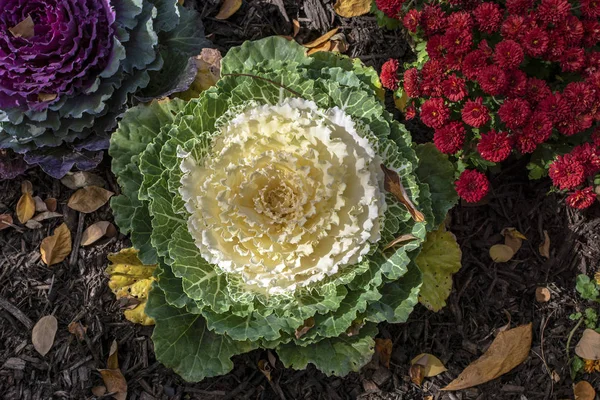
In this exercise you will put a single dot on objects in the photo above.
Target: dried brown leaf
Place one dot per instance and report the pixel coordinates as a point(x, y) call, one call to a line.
point(33, 224)
point(80, 179)
point(322, 47)
point(6, 221)
point(228, 8)
point(40, 206)
point(588, 346)
point(96, 231)
point(307, 326)
point(89, 199)
point(99, 391)
point(26, 187)
point(584, 391)
point(509, 349)
point(400, 239)
point(545, 246)
point(501, 253)
point(352, 8)
point(393, 184)
point(25, 208)
point(265, 368)
point(323, 39)
point(431, 364)
point(115, 383)
point(24, 29)
point(295, 27)
point(542, 294)
point(47, 96)
point(77, 330)
point(272, 359)
point(355, 327)
point(57, 247)
point(417, 374)
point(43, 333)
point(51, 204)
point(46, 215)
point(113, 356)
point(513, 238)
point(383, 348)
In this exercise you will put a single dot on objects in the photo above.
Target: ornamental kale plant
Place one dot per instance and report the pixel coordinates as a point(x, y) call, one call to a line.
point(264, 203)
point(507, 77)
point(69, 67)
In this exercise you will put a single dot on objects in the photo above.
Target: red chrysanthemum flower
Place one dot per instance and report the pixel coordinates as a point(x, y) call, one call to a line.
point(488, 17)
point(390, 8)
point(572, 30)
point(410, 112)
point(473, 63)
point(492, 80)
point(485, 47)
point(573, 59)
point(537, 90)
point(454, 61)
point(590, 8)
point(411, 83)
point(592, 63)
point(434, 113)
point(539, 127)
point(436, 47)
point(535, 42)
point(450, 138)
point(432, 74)
point(588, 154)
point(582, 198)
point(518, 6)
point(569, 124)
point(555, 106)
point(472, 185)
point(513, 27)
point(525, 142)
point(460, 20)
point(411, 20)
point(566, 172)
point(514, 112)
point(581, 95)
point(592, 32)
point(509, 54)
point(517, 84)
point(389, 74)
point(553, 11)
point(495, 146)
point(458, 41)
point(454, 88)
point(433, 19)
point(474, 113)
point(557, 44)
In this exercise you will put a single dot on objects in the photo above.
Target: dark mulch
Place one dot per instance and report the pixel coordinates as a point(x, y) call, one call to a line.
point(485, 294)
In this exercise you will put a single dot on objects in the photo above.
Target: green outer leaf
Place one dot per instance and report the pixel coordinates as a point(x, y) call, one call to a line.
point(183, 342)
point(439, 259)
point(334, 356)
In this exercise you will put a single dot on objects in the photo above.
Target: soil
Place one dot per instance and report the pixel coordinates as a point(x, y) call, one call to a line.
point(485, 298)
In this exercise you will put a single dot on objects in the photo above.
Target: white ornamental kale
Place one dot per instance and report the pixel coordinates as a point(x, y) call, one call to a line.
point(263, 202)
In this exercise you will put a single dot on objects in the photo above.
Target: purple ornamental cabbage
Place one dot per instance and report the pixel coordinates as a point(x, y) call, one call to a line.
point(68, 68)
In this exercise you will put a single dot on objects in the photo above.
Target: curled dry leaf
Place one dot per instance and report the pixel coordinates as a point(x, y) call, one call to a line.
point(542, 294)
point(46, 215)
point(307, 326)
point(509, 349)
point(588, 346)
point(26, 187)
point(25, 208)
point(545, 246)
point(6, 221)
point(355, 327)
point(78, 180)
point(47, 96)
point(432, 366)
point(113, 356)
point(265, 368)
point(24, 29)
point(383, 349)
point(43, 333)
point(513, 238)
point(501, 253)
point(96, 231)
point(89, 199)
point(417, 374)
point(323, 39)
point(208, 64)
point(322, 47)
point(393, 184)
point(77, 330)
point(228, 8)
point(400, 239)
point(584, 391)
point(295, 27)
point(352, 8)
point(99, 391)
point(57, 247)
point(51, 204)
point(40, 206)
point(115, 383)
point(33, 224)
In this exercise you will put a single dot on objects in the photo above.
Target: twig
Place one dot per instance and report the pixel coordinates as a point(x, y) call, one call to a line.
point(77, 242)
point(18, 314)
point(570, 337)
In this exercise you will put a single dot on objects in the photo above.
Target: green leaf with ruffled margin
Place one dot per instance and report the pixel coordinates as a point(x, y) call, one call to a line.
point(333, 356)
point(183, 342)
point(439, 260)
point(437, 172)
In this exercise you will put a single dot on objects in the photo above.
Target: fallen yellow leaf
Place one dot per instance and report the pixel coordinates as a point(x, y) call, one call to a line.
point(24, 29)
point(432, 366)
point(352, 8)
point(588, 346)
point(584, 391)
point(322, 47)
point(228, 8)
point(509, 349)
point(89, 199)
point(545, 246)
point(393, 184)
point(319, 41)
point(501, 253)
point(25, 207)
point(57, 247)
point(131, 280)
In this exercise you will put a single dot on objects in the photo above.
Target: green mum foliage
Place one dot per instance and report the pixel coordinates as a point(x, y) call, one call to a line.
point(263, 203)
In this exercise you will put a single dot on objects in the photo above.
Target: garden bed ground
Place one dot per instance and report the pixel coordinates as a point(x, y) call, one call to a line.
point(485, 294)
